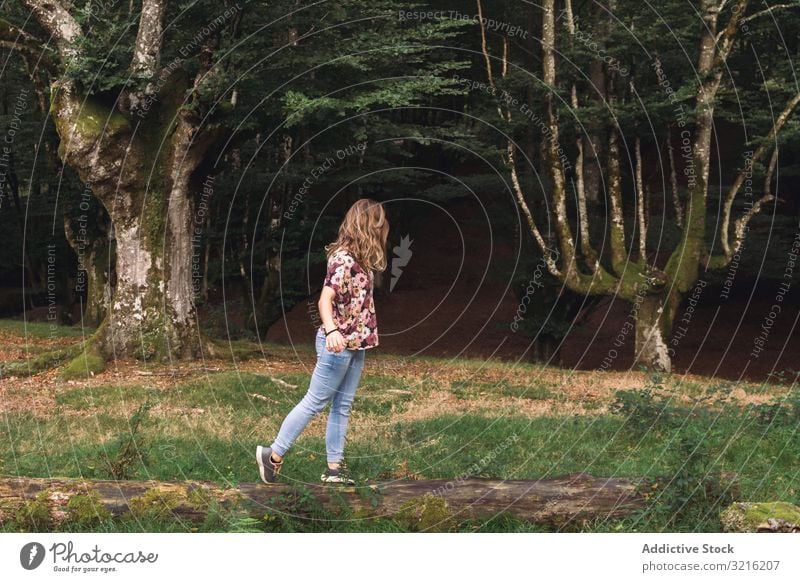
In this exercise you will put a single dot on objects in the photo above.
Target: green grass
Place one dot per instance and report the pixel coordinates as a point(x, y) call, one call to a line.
point(440, 448)
point(467, 390)
point(43, 330)
point(206, 428)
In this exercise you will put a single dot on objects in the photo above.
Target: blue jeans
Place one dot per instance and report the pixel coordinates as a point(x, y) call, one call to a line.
point(334, 380)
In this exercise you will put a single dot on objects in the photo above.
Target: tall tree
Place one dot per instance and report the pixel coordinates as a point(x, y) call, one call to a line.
point(138, 146)
point(148, 97)
point(626, 270)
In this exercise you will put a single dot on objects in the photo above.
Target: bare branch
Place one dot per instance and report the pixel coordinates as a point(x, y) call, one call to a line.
point(484, 48)
point(773, 164)
point(580, 193)
point(149, 38)
point(505, 57)
point(683, 264)
point(32, 50)
point(566, 241)
point(487, 59)
point(768, 11)
point(771, 137)
point(570, 18)
point(10, 32)
point(728, 34)
point(59, 24)
point(600, 281)
point(550, 260)
point(740, 227)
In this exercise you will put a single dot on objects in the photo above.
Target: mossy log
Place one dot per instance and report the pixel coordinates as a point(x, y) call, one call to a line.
point(556, 500)
point(765, 517)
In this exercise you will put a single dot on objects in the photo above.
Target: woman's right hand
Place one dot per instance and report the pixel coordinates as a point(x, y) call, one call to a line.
point(334, 341)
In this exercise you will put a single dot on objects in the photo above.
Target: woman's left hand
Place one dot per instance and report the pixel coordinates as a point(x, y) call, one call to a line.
point(334, 341)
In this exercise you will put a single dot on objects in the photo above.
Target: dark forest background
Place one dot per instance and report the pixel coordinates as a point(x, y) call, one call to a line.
point(303, 108)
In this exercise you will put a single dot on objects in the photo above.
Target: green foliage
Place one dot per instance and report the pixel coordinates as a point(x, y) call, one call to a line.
point(469, 390)
point(155, 504)
point(43, 361)
point(645, 412)
point(780, 411)
point(682, 436)
point(428, 513)
point(127, 448)
point(30, 329)
point(86, 510)
point(33, 515)
point(693, 489)
point(245, 524)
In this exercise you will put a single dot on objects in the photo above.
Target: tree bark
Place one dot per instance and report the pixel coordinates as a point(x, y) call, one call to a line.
point(147, 192)
point(653, 326)
point(673, 182)
point(144, 177)
point(683, 266)
point(560, 499)
point(269, 307)
point(594, 140)
point(94, 276)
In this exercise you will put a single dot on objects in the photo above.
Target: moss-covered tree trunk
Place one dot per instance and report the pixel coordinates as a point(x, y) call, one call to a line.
point(146, 181)
point(98, 290)
point(94, 280)
point(656, 313)
point(37, 504)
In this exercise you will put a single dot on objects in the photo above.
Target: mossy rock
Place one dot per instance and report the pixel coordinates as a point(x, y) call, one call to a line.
point(87, 363)
point(746, 517)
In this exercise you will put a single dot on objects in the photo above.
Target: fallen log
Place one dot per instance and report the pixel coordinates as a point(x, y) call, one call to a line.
point(558, 500)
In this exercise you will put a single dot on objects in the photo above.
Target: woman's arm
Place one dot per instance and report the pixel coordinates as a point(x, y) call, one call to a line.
point(334, 341)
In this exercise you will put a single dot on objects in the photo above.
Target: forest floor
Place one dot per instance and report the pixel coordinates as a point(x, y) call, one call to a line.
point(414, 417)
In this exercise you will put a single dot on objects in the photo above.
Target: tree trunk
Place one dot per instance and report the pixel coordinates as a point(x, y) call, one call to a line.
point(98, 290)
point(152, 314)
point(92, 246)
point(594, 147)
point(145, 184)
point(653, 326)
point(269, 306)
point(559, 500)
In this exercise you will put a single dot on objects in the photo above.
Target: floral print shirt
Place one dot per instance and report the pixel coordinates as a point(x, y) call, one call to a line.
point(353, 306)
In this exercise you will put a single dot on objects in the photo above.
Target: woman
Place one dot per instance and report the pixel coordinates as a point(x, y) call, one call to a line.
point(348, 329)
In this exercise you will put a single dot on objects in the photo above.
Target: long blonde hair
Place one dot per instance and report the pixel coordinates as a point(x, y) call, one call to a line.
point(363, 233)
